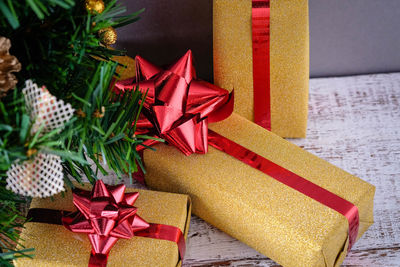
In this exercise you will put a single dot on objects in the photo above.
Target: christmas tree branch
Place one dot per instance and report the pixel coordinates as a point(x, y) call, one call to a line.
point(59, 45)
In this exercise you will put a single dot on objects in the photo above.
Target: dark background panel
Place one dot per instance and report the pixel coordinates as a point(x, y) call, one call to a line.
point(167, 29)
point(346, 37)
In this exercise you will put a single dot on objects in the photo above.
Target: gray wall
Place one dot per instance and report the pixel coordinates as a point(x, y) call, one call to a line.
point(354, 36)
point(346, 36)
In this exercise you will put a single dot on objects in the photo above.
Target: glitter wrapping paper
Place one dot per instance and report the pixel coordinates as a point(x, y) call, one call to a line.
point(278, 221)
point(56, 246)
point(289, 60)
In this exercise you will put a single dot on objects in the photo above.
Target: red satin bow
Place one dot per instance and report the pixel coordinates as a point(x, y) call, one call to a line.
point(105, 214)
point(178, 106)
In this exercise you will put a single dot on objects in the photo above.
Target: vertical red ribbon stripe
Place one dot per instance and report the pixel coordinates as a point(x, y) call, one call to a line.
point(261, 62)
point(325, 197)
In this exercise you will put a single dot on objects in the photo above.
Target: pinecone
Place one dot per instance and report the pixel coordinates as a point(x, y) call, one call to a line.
point(8, 64)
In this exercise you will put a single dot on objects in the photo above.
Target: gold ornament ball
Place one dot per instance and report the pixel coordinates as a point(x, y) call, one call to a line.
point(94, 6)
point(108, 36)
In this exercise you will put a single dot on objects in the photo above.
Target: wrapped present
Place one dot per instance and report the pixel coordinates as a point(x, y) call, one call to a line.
point(261, 49)
point(150, 233)
point(282, 223)
point(286, 203)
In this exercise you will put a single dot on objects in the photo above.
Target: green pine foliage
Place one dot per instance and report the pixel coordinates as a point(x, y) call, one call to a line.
point(57, 42)
point(10, 223)
point(58, 45)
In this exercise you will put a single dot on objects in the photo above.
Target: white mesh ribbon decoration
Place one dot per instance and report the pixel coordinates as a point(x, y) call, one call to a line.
point(45, 109)
point(41, 176)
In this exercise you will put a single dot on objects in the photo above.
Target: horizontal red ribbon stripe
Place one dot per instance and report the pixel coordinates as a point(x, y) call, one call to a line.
point(325, 197)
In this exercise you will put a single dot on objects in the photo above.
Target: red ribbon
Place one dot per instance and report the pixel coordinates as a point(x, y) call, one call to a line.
point(261, 62)
point(325, 197)
point(178, 106)
point(107, 214)
point(198, 102)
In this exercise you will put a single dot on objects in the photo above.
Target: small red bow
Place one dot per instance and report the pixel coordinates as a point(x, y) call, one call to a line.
point(105, 214)
point(178, 107)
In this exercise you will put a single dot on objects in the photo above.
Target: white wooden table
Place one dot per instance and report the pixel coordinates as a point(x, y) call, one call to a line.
point(354, 123)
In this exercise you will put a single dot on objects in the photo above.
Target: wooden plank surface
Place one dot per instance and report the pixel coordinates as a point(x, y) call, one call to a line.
point(354, 123)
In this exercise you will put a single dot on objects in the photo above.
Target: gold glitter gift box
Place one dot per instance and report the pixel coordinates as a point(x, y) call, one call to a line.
point(56, 246)
point(289, 60)
point(276, 220)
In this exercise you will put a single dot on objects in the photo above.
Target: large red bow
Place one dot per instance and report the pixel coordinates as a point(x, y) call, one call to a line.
point(178, 106)
point(105, 214)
